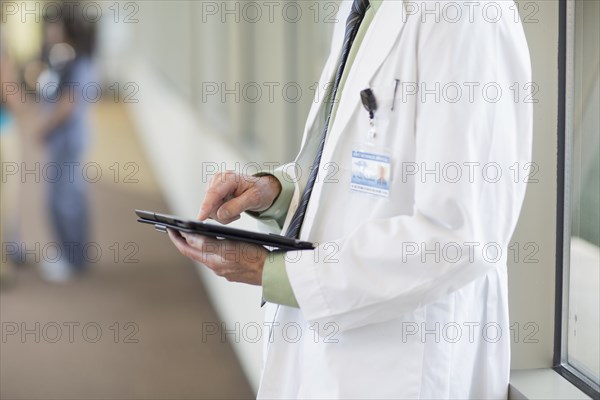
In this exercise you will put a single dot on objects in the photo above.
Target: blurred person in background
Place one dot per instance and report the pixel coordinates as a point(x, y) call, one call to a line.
point(57, 117)
point(7, 75)
point(64, 128)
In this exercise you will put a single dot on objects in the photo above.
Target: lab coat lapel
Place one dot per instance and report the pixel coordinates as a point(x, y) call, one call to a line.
point(326, 77)
point(329, 69)
point(375, 47)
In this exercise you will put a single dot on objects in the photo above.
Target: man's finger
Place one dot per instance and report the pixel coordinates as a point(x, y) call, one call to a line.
point(226, 221)
point(178, 241)
point(187, 250)
point(228, 250)
point(215, 197)
point(203, 243)
point(224, 250)
point(248, 200)
point(213, 261)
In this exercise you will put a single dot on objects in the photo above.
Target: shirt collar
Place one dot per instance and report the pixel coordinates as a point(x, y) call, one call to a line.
point(375, 4)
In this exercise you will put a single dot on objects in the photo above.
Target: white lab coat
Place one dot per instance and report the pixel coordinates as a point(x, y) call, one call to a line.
point(406, 297)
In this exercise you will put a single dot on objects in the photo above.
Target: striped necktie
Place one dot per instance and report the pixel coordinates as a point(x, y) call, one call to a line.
point(359, 8)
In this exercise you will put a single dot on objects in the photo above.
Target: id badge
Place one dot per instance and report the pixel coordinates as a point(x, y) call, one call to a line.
point(371, 171)
point(371, 164)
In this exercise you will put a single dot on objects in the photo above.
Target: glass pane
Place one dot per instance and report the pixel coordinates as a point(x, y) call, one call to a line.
point(584, 281)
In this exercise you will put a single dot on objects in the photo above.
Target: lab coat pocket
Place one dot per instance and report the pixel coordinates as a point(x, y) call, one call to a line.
point(385, 115)
point(372, 155)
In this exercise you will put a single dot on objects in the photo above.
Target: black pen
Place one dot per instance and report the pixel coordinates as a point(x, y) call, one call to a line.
point(395, 90)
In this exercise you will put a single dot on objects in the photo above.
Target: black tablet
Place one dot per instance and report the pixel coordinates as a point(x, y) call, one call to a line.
point(163, 221)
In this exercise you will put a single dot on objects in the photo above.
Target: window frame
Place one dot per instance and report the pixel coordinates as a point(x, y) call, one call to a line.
point(563, 226)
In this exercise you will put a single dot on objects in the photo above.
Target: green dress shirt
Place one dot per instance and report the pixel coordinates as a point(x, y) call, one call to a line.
point(275, 282)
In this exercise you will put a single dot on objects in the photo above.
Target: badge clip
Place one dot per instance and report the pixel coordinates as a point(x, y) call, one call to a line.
point(370, 103)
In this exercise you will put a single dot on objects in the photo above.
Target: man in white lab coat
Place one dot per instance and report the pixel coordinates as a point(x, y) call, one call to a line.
point(413, 209)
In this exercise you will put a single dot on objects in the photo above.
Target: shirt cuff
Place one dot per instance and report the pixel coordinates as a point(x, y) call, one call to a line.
point(275, 283)
point(278, 210)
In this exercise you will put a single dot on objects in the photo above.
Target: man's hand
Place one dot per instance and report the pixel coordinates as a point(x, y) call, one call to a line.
point(235, 261)
point(230, 194)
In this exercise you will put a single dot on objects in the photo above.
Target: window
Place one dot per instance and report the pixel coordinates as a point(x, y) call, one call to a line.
point(578, 348)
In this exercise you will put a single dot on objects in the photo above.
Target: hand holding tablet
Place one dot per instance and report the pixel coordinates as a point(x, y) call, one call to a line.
point(236, 254)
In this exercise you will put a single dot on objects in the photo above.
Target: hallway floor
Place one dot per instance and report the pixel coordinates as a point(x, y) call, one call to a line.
point(131, 328)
